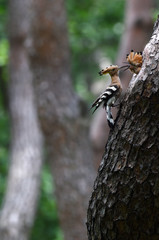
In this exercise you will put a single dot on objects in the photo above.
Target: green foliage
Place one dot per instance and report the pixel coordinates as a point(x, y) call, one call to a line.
point(4, 118)
point(155, 14)
point(4, 49)
point(4, 146)
point(4, 46)
point(94, 26)
point(3, 18)
point(46, 224)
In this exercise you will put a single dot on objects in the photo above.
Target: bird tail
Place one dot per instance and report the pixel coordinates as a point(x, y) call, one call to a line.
point(109, 117)
point(97, 103)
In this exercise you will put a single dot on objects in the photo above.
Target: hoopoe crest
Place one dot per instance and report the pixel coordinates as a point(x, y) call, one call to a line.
point(135, 61)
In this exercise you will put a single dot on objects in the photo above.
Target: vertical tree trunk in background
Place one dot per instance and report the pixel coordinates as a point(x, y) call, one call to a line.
point(19, 206)
point(65, 130)
point(125, 200)
point(138, 29)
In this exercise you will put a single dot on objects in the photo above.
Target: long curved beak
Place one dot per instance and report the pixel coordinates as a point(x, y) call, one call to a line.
point(125, 67)
point(103, 72)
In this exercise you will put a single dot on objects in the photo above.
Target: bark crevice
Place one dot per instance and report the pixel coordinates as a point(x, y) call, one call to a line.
point(124, 200)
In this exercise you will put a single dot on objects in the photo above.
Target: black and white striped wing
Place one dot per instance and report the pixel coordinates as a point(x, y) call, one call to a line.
point(110, 92)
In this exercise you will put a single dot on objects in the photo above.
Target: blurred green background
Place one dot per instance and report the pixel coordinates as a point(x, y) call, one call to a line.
point(94, 30)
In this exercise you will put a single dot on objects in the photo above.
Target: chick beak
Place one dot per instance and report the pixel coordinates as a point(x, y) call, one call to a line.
point(124, 68)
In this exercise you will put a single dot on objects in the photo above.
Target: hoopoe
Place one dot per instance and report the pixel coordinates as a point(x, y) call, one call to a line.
point(111, 94)
point(135, 61)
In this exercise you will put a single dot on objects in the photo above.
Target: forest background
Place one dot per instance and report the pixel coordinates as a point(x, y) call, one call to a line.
point(95, 29)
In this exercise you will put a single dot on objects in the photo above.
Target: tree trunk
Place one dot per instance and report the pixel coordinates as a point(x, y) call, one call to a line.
point(125, 200)
point(138, 29)
point(65, 130)
point(19, 205)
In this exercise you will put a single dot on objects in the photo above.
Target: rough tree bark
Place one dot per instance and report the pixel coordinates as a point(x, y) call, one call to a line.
point(138, 29)
point(125, 199)
point(19, 206)
point(65, 130)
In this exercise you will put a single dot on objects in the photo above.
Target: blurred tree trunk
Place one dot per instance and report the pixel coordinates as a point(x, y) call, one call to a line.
point(19, 205)
point(125, 200)
point(138, 29)
point(65, 129)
